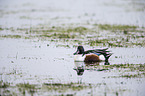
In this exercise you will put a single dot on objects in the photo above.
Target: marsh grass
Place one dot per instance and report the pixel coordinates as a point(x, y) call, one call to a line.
point(105, 35)
point(1, 29)
point(132, 67)
point(116, 27)
point(11, 36)
point(64, 87)
point(137, 70)
point(4, 84)
point(59, 35)
point(123, 70)
point(30, 88)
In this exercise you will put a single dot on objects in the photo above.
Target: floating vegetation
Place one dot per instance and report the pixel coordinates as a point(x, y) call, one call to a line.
point(132, 67)
point(123, 71)
point(4, 84)
point(66, 46)
point(132, 75)
point(127, 75)
point(60, 36)
point(64, 87)
point(59, 29)
point(1, 29)
point(113, 36)
point(97, 42)
point(136, 66)
point(25, 17)
point(116, 27)
point(26, 87)
point(137, 70)
point(115, 42)
point(11, 36)
point(77, 29)
point(66, 36)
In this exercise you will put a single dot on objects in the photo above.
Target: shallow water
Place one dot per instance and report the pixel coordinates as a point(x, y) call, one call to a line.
point(33, 61)
point(47, 62)
point(26, 13)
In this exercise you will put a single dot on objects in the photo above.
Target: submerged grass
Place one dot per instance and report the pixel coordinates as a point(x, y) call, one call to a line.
point(4, 84)
point(59, 35)
point(43, 29)
point(116, 27)
point(30, 88)
point(64, 87)
point(26, 86)
point(1, 29)
point(113, 36)
point(132, 67)
point(125, 70)
point(77, 29)
point(117, 42)
point(11, 36)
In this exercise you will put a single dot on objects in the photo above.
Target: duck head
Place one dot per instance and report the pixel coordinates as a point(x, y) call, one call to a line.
point(80, 50)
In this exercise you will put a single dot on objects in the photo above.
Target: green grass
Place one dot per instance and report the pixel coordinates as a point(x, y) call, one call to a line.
point(116, 27)
point(137, 69)
point(11, 36)
point(26, 87)
point(1, 29)
point(4, 84)
point(59, 35)
point(65, 87)
point(114, 36)
point(77, 29)
point(130, 66)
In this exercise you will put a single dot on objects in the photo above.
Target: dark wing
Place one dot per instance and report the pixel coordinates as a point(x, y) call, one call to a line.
point(96, 51)
point(104, 52)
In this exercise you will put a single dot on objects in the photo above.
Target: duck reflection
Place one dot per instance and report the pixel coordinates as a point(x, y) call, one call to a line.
point(106, 63)
point(80, 66)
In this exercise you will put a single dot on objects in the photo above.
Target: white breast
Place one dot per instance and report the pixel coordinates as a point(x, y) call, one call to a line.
point(79, 58)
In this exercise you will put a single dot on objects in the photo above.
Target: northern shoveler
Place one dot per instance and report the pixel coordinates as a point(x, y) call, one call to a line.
point(95, 55)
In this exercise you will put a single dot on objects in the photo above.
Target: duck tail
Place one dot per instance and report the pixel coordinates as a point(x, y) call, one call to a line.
point(106, 54)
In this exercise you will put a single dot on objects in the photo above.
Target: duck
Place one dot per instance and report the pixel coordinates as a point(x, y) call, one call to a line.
point(95, 55)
